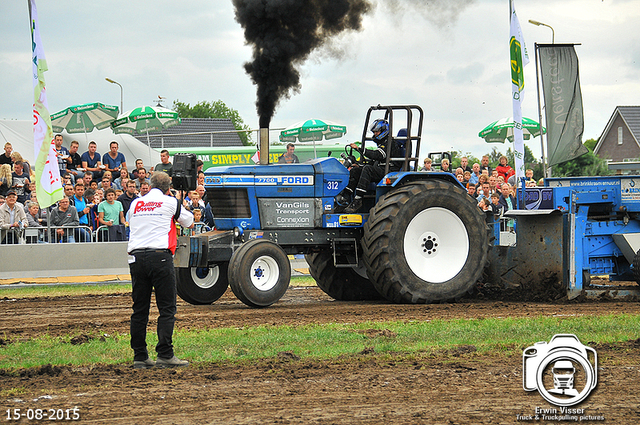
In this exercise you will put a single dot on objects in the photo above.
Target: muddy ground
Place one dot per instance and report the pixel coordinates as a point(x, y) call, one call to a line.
point(458, 386)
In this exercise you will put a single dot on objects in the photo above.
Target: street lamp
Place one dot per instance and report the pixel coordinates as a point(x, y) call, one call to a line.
point(553, 33)
point(121, 93)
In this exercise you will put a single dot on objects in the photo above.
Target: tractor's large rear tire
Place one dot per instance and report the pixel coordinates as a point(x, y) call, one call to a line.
point(425, 242)
point(201, 285)
point(342, 284)
point(259, 273)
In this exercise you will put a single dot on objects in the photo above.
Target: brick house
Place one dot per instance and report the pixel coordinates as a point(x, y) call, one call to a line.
point(620, 140)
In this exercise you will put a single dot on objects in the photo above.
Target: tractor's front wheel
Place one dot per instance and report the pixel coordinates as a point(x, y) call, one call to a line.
point(202, 285)
point(425, 242)
point(259, 273)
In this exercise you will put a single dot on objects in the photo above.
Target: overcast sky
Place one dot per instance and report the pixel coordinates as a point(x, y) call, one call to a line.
point(450, 58)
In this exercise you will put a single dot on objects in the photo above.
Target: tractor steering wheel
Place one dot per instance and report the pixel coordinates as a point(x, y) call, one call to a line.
point(351, 154)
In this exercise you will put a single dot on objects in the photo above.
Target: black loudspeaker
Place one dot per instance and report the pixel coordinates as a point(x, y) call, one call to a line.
point(184, 171)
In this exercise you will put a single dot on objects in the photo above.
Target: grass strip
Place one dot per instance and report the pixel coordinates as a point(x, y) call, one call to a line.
point(319, 342)
point(59, 290)
point(62, 290)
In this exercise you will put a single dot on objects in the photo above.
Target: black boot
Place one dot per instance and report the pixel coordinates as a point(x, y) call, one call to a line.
point(354, 206)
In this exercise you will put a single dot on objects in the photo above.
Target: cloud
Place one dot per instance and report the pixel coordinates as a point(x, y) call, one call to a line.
point(449, 57)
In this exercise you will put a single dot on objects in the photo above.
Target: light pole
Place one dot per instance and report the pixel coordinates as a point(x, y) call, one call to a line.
point(553, 33)
point(121, 94)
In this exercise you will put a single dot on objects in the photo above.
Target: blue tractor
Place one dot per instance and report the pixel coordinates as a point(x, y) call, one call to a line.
point(418, 238)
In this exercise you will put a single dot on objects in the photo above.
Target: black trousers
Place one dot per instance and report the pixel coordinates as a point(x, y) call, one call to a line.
point(360, 177)
point(152, 270)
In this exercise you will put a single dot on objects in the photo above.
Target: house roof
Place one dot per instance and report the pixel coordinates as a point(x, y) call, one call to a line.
point(631, 117)
point(206, 132)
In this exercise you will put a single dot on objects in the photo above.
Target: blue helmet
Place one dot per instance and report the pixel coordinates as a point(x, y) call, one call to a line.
point(383, 127)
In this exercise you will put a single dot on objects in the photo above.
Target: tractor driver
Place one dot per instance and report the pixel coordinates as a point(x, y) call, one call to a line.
point(360, 177)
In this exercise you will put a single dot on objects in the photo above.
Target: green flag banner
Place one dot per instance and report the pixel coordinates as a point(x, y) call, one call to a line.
point(48, 183)
point(563, 102)
point(519, 59)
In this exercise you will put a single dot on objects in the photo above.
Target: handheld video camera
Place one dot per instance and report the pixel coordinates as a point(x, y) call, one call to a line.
point(184, 171)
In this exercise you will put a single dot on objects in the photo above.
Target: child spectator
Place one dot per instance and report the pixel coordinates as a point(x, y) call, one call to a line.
point(528, 174)
point(194, 202)
point(197, 216)
point(466, 176)
point(495, 204)
point(427, 165)
point(484, 204)
point(471, 190)
point(445, 166)
point(119, 183)
point(508, 202)
point(93, 209)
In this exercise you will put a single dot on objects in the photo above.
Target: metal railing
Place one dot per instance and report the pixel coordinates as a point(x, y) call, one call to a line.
point(115, 233)
point(30, 235)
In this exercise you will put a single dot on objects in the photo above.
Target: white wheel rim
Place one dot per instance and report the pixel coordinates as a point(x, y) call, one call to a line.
point(436, 245)
point(265, 273)
point(209, 280)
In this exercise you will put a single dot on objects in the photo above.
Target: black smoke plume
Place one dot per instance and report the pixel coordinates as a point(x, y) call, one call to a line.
point(283, 33)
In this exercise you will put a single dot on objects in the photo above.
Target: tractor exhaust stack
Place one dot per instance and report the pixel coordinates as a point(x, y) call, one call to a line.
point(264, 146)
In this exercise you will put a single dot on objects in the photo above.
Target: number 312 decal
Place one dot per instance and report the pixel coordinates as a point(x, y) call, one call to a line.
point(332, 185)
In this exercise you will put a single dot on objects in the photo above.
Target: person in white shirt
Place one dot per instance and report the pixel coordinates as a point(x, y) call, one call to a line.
point(152, 243)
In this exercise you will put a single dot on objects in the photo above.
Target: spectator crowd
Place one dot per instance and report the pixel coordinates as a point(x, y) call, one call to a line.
point(493, 188)
point(98, 191)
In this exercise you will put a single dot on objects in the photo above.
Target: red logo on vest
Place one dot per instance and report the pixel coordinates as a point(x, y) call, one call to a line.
point(149, 206)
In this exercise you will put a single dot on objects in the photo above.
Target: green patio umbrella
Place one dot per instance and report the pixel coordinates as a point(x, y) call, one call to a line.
point(312, 131)
point(84, 118)
point(145, 119)
point(498, 131)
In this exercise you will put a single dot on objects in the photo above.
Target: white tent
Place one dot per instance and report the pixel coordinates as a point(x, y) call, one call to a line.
point(20, 134)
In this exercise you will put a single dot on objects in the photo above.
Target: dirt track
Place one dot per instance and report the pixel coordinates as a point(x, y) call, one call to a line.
point(455, 386)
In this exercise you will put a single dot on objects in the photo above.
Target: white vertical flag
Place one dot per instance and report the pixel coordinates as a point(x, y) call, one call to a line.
point(48, 183)
point(519, 59)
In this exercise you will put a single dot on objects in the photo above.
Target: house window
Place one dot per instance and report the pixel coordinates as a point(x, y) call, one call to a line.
point(619, 135)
